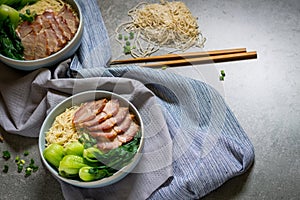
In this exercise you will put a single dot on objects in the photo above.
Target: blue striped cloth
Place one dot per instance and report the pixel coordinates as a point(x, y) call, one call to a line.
point(209, 145)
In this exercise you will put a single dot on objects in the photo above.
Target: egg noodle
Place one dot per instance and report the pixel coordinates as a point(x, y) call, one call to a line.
point(42, 5)
point(168, 24)
point(62, 130)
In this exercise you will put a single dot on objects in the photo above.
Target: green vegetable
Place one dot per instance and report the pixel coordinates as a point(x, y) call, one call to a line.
point(87, 140)
point(92, 154)
point(26, 153)
point(54, 153)
point(31, 168)
point(10, 43)
point(223, 73)
point(6, 155)
point(121, 156)
point(70, 165)
point(18, 4)
point(222, 76)
point(5, 169)
point(131, 35)
point(92, 173)
point(74, 148)
point(9, 12)
point(17, 159)
point(120, 37)
point(28, 16)
point(127, 50)
point(28, 171)
point(20, 167)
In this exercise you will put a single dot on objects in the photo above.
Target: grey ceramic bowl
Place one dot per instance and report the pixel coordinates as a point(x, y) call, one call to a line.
point(66, 52)
point(77, 99)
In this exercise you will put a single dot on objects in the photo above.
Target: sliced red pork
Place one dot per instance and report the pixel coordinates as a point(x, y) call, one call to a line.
point(113, 126)
point(48, 33)
point(88, 111)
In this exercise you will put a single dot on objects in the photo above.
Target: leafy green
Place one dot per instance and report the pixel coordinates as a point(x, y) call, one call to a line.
point(28, 16)
point(87, 140)
point(119, 157)
point(18, 4)
point(10, 43)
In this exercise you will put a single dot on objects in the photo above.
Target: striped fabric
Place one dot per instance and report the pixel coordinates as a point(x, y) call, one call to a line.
point(209, 145)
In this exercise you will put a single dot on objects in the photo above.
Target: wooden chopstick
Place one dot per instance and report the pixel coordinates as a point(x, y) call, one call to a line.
point(205, 59)
point(180, 56)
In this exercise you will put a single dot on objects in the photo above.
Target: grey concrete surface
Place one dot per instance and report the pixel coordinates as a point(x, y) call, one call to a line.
point(264, 94)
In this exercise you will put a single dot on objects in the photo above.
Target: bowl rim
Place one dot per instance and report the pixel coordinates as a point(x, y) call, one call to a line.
point(120, 174)
point(28, 65)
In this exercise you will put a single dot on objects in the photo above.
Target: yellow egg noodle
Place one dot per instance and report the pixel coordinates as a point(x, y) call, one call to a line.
point(62, 130)
point(42, 5)
point(168, 24)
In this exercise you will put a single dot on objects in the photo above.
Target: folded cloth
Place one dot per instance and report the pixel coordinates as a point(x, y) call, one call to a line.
point(193, 142)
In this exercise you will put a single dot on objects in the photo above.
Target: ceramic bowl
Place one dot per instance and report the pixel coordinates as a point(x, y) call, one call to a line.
point(77, 99)
point(63, 54)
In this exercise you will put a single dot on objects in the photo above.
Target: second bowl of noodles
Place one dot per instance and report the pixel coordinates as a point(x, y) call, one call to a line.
point(53, 36)
point(92, 139)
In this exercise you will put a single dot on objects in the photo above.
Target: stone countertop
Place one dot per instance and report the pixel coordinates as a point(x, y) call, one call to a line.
point(263, 93)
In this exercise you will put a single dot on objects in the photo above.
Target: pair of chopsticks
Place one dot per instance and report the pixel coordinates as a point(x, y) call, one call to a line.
point(191, 58)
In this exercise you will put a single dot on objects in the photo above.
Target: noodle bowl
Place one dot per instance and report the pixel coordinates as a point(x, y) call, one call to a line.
point(67, 51)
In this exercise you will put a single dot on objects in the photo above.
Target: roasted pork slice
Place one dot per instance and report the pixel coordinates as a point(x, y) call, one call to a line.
point(107, 144)
point(120, 116)
point(97, 120)
point(107, 124)
point(63, 26)
point(41, 42)
point(125, 124)
point(24, 29)
point(99, 135)
point(50, 16)
point(70, 18)
point(37, 26)
point(29, 49)
point(129, 134)
point(110, 139)
point(110, 122)
point(53, 43)
point(88, 111)
point(112, 107)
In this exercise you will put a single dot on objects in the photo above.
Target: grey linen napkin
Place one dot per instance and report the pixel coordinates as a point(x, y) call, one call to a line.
point(193, 143)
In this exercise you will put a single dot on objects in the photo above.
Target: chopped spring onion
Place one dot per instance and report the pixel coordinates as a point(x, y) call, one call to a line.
point(223, 73)
point(26, 153)
point(5, 169)
point(6, 155)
